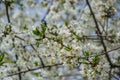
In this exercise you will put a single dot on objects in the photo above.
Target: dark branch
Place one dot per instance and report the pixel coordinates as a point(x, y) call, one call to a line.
point(19, 38)
point(107, 51)
point(7, 11)
point(19, 75)
point(47, 12)
point(99, 33)
point(29, 70)
point(112, 76)
point(38, 55)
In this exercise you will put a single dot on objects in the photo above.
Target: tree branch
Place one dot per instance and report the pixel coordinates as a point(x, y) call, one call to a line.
point(47, 12)
point(99, 33)
point(7, 11)
point(19, 75)
point(37, 68)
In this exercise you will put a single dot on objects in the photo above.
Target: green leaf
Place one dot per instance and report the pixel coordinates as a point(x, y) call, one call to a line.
point(111, 31)
point(67, 48)
point(1, 63)
point(9, 2)
point(24, 58)
point(43, 29)
point(36, 74)
point(2, 57)
point(78, 38)
point(44, 26)
point(62, 1)
point(37, 43)
point(36, 32)
point(36, 63)
point(25, 27)
point(95, 59)
point(14, 62)
point(86, 53)
point(39, 39)
point(84, 62)
point(66, 23)
point(73, 32)
point(44, 4)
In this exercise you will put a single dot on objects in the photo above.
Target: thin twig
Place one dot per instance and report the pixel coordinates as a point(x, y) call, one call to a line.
point(17, 57)
point(110, 74)
point(19, 38)
point(37, 68)
point(48, 10)
point(111, 50)
point(107, 52)
point(7, 11)
point(42, 63)
point(19, 75)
